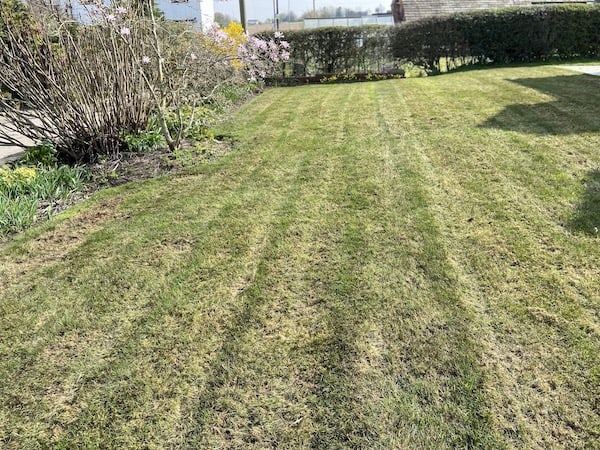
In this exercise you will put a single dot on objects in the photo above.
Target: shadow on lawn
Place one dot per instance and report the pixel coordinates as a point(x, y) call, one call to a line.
point(587, 215)
point(575, 109)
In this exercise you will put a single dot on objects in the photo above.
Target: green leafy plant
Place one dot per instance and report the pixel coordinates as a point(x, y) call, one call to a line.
point(143, 141)
point(193, 122)
point(17, 213)
point(58, 183)
point(23, 189)
point(17, 181)
point(43, 154)
point(339, 78)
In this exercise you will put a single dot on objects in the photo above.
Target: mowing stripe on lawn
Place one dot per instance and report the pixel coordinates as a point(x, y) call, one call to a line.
point(401, 264)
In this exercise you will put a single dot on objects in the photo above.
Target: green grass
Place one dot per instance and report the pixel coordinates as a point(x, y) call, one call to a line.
point(401, 264)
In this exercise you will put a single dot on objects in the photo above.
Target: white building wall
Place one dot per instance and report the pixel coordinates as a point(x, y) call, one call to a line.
point(207, 14)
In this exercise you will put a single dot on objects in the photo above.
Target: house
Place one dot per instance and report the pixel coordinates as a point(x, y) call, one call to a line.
point(199, 13)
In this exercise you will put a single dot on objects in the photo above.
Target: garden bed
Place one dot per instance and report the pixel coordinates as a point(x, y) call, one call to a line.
point(330, 78)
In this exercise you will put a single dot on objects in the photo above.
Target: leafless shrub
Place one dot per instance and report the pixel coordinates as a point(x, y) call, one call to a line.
point(75, 85)
point(84, 86)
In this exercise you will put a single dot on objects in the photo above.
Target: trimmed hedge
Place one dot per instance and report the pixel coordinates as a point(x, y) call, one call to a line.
point(364, 49)
point(517, 34)
point(521, 34)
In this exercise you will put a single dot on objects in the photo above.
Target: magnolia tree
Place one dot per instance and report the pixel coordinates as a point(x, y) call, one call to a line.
point(83, 86)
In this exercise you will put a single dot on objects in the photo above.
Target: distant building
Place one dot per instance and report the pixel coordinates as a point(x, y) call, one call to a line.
point(199, 13)
point(375, 19)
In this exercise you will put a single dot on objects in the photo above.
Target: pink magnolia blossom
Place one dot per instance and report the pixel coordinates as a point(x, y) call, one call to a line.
point(222, 36)
point(258, 43)
point(260, 57)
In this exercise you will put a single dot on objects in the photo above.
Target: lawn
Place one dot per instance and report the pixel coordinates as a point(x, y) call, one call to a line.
point(408, 264)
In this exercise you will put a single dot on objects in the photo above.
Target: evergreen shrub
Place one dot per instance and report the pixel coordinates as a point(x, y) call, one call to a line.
point(508, 35)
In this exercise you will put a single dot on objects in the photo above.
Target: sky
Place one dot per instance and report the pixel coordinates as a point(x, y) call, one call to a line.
point(263, 9)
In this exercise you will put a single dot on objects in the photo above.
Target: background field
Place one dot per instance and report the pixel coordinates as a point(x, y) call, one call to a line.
point(401, 264)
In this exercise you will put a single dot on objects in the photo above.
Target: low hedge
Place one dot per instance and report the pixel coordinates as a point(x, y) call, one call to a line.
point(363, 49)
point(521, 34)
